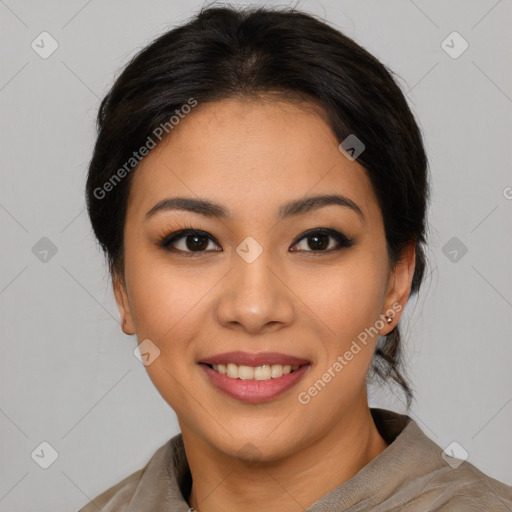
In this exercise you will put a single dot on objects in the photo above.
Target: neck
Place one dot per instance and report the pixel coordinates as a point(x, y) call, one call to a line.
point(224, 483)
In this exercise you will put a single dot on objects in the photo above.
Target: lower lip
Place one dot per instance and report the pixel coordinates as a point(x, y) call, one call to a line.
point(254, 390)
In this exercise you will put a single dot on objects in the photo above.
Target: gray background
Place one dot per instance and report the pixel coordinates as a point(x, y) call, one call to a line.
point(68, 373)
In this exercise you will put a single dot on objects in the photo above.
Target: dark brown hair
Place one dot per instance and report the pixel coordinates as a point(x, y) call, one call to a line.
point(225, 52)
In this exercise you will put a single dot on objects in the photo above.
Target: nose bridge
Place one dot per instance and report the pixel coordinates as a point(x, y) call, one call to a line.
point(254, 275)
point(254, 295)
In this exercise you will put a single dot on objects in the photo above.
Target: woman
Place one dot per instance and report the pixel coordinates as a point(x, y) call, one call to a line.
point(260, 188)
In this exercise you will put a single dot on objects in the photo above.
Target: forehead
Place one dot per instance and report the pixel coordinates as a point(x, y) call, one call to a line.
point(249, 155)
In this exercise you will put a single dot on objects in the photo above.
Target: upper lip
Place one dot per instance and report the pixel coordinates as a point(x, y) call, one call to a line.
point(254, 359)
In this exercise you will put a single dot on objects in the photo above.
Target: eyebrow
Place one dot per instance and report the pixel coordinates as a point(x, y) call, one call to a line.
point(290, 209)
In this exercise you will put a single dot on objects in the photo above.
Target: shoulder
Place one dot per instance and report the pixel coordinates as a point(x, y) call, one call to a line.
point(151, 478)
point(465, 489)
point(417, 475)
point(455, 485)
point(117, 497)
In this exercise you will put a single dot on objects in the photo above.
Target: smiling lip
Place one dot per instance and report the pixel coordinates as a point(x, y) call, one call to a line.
point(254, 390)
point(254, 359)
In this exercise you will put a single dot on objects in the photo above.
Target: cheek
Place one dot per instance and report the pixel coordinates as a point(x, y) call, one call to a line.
point(161, 297)
point(348, 298)
point(166, 305)
point(170, 303)
point(347, 304)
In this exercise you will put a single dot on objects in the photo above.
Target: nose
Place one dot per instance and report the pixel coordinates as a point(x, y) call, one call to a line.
point(255, 296)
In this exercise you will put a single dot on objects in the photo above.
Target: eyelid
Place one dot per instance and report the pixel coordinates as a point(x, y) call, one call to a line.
point(343, 240)
point(178, 234)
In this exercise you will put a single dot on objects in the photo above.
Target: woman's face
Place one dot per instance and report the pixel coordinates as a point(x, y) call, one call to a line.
point(253, 280)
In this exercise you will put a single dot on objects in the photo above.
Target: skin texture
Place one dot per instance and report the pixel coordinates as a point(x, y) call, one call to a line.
point(251, 157)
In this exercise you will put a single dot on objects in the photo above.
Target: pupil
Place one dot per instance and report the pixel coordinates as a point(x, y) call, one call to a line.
point(319, 241)
point(196, 244)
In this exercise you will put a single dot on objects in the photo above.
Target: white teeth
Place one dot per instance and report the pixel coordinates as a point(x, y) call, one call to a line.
point(232, 371)
point(245, 372)
point(263, 372)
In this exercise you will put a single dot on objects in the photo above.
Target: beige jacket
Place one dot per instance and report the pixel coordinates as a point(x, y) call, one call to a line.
point(412, 474)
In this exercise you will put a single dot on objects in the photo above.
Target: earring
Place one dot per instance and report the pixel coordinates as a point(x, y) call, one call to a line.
point(389, 319)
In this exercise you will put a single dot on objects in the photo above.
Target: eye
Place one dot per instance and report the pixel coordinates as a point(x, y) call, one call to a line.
point(318, 240)
point(188, 241)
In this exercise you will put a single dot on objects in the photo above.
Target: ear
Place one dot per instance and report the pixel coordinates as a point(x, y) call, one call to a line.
point(399, 287)
point(123, 305)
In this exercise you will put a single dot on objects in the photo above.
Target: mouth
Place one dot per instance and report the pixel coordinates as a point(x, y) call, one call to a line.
point(260, 373)
point(240, 358)
point(254, 377)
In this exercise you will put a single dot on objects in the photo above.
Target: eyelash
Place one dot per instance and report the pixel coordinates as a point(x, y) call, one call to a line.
point(165, 242)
